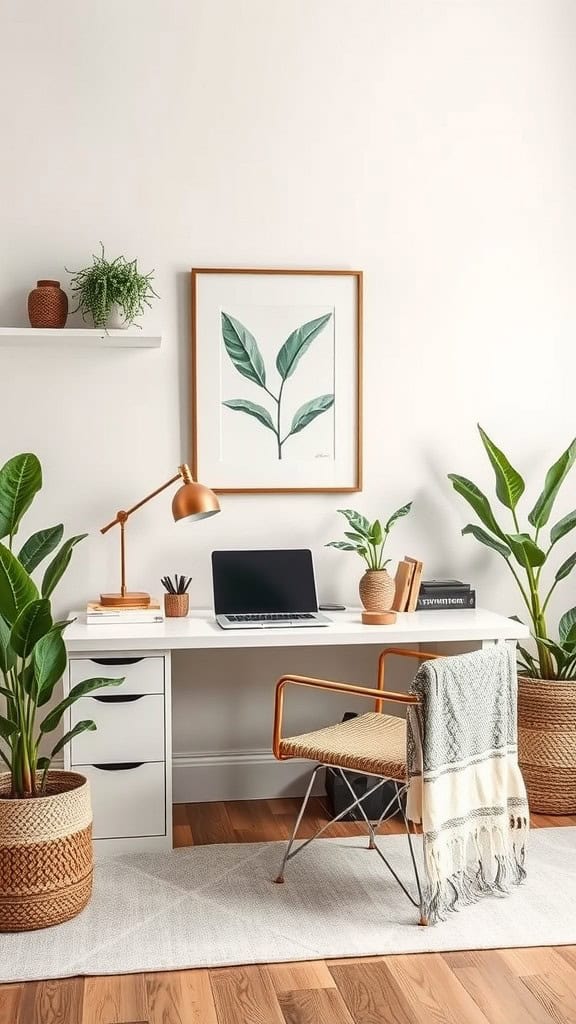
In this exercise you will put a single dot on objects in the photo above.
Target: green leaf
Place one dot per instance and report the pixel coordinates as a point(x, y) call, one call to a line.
point(525, 551)
point(477, 500)
point(59, 564)
point(355, 537)
point(529, 660)
point(509, 484)
point(554, 478)
point(16, 587)
point(566, 567)
point(243, 350)
point(309, 411)
point(258, 411)
point(7, 655)
point(80, 690)
point(563, 526)
point(7, 728)
point(20, 480)
point(33, 623)
point(357, 521)
point(487, 539)
point(376, 532)
point(86, 725)
point(342, 545)
point(49, 660)
point(39, 545)
point(397, 515)
point(566, 623)
point(297, 344)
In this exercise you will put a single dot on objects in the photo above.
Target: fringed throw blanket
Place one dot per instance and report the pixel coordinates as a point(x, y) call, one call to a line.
point(465, 786)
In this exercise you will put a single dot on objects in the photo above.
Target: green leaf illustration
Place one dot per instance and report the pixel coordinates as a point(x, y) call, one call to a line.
point(258, 411)
point(297, 344)
point(309, 411)
point(243, 350)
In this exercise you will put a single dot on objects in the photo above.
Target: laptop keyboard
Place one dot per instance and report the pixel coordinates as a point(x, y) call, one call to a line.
point(275, 617)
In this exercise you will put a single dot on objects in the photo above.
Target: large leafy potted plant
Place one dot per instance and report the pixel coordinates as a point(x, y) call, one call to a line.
point(547, 681)
point(112, 292)
point(45, 814)
point(368, 540)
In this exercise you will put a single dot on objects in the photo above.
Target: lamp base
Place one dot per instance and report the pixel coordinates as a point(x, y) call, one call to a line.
point(129, 600)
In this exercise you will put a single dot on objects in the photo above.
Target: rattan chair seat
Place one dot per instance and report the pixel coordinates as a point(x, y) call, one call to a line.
point(371, 743)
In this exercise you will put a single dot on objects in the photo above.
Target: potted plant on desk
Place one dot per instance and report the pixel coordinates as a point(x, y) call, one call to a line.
point(368, 540)
point(45, 814)
point(547, 681)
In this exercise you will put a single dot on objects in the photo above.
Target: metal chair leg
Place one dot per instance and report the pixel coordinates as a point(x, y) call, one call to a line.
point(280, 877)
point(423, 918)
point(372, 840)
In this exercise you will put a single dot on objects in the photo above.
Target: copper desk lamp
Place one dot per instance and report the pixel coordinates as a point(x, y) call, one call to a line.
point(191, 501)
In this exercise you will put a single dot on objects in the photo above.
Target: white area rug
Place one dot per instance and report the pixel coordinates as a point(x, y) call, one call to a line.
point(211, 906)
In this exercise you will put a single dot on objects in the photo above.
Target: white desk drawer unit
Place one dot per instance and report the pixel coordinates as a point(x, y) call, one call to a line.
point(127, 759)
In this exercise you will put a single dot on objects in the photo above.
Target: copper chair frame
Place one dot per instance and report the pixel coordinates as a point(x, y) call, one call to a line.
point(380, 695)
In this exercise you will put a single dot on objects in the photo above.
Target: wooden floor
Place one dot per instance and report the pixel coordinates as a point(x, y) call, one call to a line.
point(515, 986)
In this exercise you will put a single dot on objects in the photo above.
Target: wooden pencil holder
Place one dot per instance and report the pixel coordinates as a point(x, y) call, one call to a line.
point(176, 605)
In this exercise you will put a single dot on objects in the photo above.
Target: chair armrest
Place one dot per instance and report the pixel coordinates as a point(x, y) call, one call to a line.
point(400, 652)
point(353, 689)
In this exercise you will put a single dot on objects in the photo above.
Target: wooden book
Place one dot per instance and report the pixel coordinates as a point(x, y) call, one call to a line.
point(414, 583)
point(403, 579)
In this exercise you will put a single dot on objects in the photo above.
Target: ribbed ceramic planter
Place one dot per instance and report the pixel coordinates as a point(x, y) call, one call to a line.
point(45, 853)
point(547, 743)
point(377, 589)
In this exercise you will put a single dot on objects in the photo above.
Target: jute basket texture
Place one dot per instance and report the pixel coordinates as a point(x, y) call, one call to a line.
point(547, 743)
point(377, 589)
point(45, 853)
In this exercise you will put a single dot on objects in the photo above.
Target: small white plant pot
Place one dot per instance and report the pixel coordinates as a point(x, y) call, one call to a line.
point(116, 320)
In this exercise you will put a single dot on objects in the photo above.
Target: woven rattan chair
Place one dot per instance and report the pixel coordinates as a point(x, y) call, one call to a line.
point(372, 744)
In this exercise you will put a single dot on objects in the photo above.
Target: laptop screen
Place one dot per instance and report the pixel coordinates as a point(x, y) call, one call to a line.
point(263, 581)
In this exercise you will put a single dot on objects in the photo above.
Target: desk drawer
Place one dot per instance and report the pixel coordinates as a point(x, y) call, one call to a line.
point(127, 802)
point(128, 728)
point(141, 675)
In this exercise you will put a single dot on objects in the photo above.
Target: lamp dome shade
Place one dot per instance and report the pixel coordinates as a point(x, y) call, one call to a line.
point(194, 501)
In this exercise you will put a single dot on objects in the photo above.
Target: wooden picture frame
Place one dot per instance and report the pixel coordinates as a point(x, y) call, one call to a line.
point(250, 330)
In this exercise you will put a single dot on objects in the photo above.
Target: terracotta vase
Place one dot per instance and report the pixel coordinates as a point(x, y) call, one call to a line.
point(47, 305)
point(377, 589)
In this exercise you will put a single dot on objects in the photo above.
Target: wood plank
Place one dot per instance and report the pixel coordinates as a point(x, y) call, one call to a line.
point(371, 993)
point(181, 827)
point(210, 823)
point(556, 994)
point(115, 999)
point(245, 995)
point(52, 1002)
point(180, 997)
point(433, 991)
point(252, 820)
point(502, 997)
point(307, 975)
point(532, 960)
point(314, 1006)
point(10, 998)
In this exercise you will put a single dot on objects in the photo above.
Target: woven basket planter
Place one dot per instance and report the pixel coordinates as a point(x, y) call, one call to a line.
point(45, 853)
point(377, 589)
point(547, 744)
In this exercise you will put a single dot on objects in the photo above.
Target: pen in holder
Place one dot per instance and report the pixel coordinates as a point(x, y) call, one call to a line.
point(176, 598)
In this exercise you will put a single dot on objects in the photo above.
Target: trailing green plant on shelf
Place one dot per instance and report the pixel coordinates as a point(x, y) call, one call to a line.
point(368, 539)
point(112, 283)
point(526, 556)
point(33, 655)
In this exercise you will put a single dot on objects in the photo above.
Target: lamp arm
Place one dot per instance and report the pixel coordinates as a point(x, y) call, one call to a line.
point(122, 516)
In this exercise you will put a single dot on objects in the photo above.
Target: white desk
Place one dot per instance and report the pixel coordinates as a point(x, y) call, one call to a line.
point(129, 758)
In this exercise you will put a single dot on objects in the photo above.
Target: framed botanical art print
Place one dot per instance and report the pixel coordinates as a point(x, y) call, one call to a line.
point(277, 379)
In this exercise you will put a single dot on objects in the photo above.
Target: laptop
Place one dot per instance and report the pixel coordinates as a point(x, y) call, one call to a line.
point(265, 589)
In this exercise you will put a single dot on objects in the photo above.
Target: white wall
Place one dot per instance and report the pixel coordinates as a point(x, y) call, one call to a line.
point(431, 143)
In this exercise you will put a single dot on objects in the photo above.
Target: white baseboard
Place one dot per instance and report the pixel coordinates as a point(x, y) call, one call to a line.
point(238, 775)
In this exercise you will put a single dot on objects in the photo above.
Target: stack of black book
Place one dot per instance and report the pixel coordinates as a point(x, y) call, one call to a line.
point(436, 595)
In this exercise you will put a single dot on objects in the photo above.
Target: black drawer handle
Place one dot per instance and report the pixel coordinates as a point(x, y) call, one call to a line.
point(119, 698)
point(116, 661)
point(118, 766)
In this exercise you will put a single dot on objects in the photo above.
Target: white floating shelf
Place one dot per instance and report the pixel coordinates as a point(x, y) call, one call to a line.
point(77, 337)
